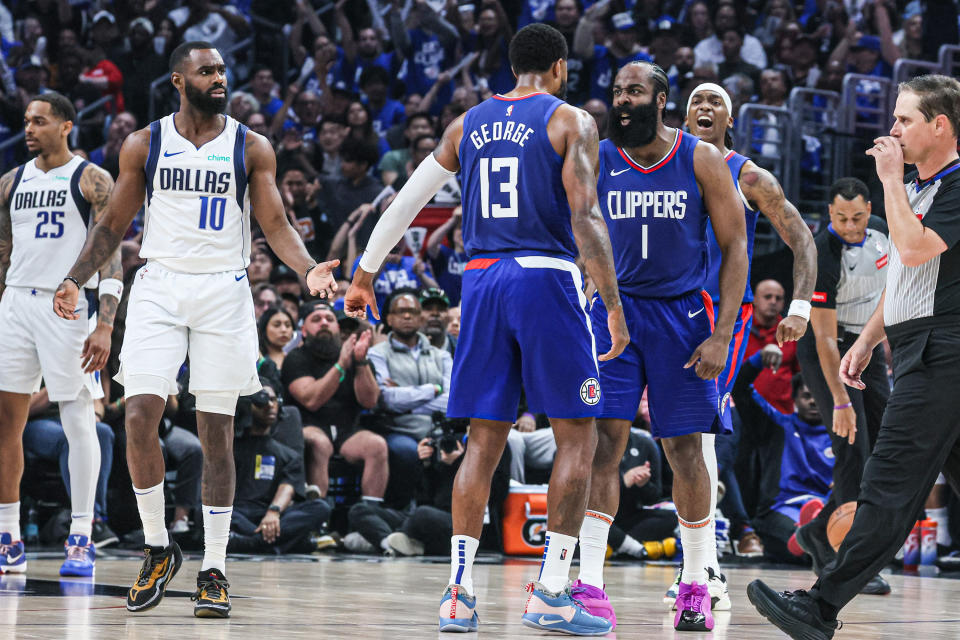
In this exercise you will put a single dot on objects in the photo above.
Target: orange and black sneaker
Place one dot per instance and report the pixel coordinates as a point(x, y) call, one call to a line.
point(159, 567)
point(211, 596)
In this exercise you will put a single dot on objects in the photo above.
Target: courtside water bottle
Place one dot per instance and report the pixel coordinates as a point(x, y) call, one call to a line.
point(928, 542)
point(911, 549)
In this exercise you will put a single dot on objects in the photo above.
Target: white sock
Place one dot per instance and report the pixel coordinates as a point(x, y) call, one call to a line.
point(593, 547)
point(939, 515)
point(80, 427)
point(150, 504)
point(463, 549)
point(557, 556)
point(10, 519)
point(216, 533)
point(631, 546)
point(698, 544)
point(708, 441)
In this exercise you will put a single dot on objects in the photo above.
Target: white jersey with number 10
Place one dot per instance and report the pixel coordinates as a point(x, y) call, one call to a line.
point(197, 208)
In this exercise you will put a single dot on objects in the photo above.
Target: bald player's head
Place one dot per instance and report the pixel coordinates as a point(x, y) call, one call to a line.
point(768, 297)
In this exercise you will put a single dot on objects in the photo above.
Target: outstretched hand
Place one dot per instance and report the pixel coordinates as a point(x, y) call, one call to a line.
point(320, 280)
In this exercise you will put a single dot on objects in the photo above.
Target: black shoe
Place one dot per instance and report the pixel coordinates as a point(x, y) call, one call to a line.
point(158, 569)
point(102, 535)
point(876, 587)
point(813, 540)
point(211, 595)
point(796, 613)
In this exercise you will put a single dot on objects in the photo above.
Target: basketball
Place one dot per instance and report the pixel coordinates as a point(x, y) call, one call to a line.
point(840, 522)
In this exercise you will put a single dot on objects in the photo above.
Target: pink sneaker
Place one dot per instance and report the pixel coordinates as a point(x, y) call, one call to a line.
point(594, 601)
point(693, 608)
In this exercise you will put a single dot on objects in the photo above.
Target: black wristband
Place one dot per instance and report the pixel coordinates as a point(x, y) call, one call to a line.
point(361, 363)
point(274, 507)
point(309, 269)
point(74, 281)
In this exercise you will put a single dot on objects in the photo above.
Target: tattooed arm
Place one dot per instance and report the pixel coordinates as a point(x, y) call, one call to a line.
point(6, 226)
point(102, 241)
point(96, 185)
point(581, 161)
point(765, 194)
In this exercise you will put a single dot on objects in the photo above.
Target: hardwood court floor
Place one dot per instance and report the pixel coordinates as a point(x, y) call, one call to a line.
point(337, 597)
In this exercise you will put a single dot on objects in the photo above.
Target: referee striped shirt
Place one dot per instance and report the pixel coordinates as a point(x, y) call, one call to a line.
point(929, 294)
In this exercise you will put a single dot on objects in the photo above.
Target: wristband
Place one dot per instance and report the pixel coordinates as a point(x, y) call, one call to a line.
point(309, 269)
point(527, 413)
point(361, 363)
point(799, 308)
point(838, 407)
point(438, 388)
point(274, 507)
point(110, 287)
point(74, 281)
point(343, 374)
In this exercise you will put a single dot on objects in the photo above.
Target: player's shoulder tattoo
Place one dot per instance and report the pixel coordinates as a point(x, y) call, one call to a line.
point(96, 185)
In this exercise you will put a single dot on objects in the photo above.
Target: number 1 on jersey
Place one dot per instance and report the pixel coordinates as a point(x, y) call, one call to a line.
point(217, 208)
point(508, 186)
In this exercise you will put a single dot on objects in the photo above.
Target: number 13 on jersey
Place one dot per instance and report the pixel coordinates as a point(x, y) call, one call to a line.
point(504, 170)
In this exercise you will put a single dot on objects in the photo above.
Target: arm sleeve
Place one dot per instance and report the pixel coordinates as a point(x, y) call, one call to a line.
point(944, 213)
point(828, 274)
point(419, 190)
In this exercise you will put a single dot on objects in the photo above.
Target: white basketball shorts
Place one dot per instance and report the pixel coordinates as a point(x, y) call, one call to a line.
point(208, 316)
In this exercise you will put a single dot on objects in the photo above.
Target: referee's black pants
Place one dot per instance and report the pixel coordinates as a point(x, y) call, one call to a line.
point(918, 437)
point(849, 459)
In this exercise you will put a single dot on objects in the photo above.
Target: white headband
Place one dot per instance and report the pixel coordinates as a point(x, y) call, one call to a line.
point(709, 86)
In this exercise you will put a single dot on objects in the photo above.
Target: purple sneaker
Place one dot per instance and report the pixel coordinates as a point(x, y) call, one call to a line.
point(693, 608)
point(594, 601)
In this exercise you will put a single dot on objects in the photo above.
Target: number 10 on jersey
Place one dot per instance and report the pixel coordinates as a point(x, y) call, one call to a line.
point(212, 211)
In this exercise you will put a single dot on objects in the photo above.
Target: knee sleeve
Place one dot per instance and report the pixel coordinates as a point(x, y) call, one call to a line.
point(222, 402)
point(145, 384)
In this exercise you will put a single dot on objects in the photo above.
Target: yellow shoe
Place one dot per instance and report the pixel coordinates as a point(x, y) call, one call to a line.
point(159, 567)
point(211, 596)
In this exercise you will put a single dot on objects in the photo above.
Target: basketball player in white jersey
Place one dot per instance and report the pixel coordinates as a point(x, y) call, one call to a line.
point(199, 174)
point(46, 208)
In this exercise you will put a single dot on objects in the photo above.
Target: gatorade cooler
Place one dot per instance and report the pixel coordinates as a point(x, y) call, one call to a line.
point(525, 520)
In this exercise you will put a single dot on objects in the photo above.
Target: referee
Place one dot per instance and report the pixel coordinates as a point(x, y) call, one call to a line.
point(921, 315)
point(852, 262)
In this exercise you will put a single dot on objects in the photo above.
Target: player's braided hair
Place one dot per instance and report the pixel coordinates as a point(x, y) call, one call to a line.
point(661, 83)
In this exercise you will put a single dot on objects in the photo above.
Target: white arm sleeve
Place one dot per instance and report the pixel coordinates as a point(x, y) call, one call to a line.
point(417, 192)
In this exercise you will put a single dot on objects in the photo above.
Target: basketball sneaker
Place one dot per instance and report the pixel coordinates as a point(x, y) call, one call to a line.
point(13, 558)
point(458, 610)
point(159, 567)
point(693, 608)
point(670, 597)
point(719, 593)
point(594, 601)
point(796, 613)
point(211, 595)
point(561, 612)
point(80, 555)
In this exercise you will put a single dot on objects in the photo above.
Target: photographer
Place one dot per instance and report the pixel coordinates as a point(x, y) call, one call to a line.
point(264, 517)
point(414, 380)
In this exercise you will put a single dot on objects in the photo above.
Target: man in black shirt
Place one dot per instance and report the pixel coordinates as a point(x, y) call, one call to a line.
point(920, 315)
point(331, 382)
point(264, 517)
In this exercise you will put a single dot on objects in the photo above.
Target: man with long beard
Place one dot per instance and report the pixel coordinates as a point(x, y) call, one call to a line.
point(198, 174)
point(658, 189)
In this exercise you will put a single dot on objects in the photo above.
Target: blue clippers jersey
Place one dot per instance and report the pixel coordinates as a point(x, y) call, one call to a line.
point(656, 219)
point(735, 161)
point(513, 195)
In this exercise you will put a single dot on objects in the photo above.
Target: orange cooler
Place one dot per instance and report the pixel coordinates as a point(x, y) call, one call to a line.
point(525, 520)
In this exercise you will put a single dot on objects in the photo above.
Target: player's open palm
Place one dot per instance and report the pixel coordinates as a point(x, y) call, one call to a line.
point(709, 357)
point(65, 300)
point(619, 336)
point(362, 344)
point(320, 280)
point(96, 349)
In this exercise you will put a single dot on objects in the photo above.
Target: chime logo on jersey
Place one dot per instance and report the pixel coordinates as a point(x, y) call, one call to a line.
point(590, 391)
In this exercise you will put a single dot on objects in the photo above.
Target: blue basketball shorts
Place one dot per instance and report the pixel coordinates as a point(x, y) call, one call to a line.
point(524, 324)
point(737, 352)
point(664, 332)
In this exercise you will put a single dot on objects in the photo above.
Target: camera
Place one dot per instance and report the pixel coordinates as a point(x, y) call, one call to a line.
point(447, 431)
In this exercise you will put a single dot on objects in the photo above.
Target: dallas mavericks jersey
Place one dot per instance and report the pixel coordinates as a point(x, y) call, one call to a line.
point(656, 219)
point(513, 195)
point(735, 162)
point(50, 219)
point(197, 209)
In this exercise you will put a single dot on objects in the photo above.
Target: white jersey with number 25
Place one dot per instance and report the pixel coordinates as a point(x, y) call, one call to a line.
point(197, 208)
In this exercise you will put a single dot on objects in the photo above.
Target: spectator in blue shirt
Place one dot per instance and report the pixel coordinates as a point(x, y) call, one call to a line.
point(365, 53)
point(489, 41)
point(398, 272)
point(621, 48)
point(448, 260)
point(262, 87)
point(427, 43)
point(384, 111)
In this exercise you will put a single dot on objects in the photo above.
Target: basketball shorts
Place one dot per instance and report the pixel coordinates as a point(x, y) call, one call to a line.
point(664, 332)
point(524, 324)
point(737, 352)
point(208, 316)
point(39, 344)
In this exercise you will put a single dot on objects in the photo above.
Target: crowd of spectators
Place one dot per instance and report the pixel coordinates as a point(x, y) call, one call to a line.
point(348, 436)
